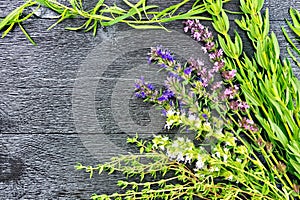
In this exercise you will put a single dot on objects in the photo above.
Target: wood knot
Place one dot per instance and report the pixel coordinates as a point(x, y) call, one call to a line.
point(10, 168)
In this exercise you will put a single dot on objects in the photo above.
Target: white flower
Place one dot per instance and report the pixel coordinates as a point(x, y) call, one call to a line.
point(192, 117)
point(230, 178)
point(199, 163)
point(171, 155)
point(214, 169)
point(217, 154)
point(188, 159)
point(225, 157)
point(170, 113)
point(180, 157)
point(238, 160)
point(162, 147)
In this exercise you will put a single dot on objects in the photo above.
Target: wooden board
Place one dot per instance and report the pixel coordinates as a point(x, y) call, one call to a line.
point(39, 141)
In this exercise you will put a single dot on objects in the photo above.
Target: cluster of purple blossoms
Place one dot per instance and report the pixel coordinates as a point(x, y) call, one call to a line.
point(235, 105)
point(229, 75)
point(231, 92)
point(166, 95)
point(216, 55)
point(202, 34)
point(198, 31)
point(145, 90)
point(161, 56)
point(248, 124)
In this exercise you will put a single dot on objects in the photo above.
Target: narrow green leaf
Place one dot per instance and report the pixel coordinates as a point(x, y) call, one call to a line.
point(225, 48)
point(279, 134)
point(8, 30)
point(275, 45)
point(238, 44)
point(295, 165)
point(26, 34)
point(266, 24)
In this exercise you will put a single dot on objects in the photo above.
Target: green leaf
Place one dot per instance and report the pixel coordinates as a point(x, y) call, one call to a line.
point(14, 15)
point(296, 21)
point(225, 48)
point(238, 44)
point(251, 98)
point(265, 189)
point(275, 46)
point(266, 24)
point(225, 21)
point(295, 165)
point(279, 134)
point(260, 4)
point(26, 34)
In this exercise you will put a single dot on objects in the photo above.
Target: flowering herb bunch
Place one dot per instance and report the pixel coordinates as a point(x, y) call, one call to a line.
point(226, 159)
point(269, 87)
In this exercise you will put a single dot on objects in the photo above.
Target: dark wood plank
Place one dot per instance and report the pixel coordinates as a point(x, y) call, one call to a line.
point(34, 166)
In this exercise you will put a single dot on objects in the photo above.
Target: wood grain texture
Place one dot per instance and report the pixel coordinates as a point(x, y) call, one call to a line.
point(39, 143)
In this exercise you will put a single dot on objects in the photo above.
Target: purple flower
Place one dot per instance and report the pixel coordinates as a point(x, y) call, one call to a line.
point(218, 65)
point(195, 64)
point(150, 86)
point(164, 112)
point(145, 90)
point(248, 124)
point(207, 35)
point(204, 82)
point(158, 52)
point(187, 71)
point(228, 75)
point(197, 36)
point(218, 54)
point(140, 94)
point(209, 46)
point(212, 56)
point(204, 116)
point(234, 105)
point(186, 29)
point(243, 106)
point(217, 85)
point(231, 92)
point(166, 95)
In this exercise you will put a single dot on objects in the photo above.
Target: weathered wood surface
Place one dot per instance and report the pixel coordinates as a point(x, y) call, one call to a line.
point(40, 139)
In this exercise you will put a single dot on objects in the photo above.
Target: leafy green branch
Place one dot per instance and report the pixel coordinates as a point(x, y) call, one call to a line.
point(138, 16)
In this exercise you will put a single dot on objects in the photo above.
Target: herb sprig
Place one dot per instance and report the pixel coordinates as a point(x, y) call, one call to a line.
point(138, 16)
